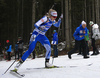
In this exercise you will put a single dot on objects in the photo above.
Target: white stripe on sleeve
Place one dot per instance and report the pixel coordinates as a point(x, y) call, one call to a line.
point(44, 19)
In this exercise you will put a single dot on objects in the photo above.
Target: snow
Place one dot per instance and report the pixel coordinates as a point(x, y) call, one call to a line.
point(77, 67)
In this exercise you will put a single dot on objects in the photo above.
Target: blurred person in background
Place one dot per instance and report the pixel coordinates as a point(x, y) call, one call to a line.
point(8, 49)
point(16, 52)
point(54, 43)
point(95, 34)
point(20, 47)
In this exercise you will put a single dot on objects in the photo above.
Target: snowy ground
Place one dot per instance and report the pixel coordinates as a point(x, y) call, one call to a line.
point(77, 67)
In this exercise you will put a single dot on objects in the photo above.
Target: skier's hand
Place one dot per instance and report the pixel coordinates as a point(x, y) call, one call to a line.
point(42, 28)
point(61, 16)
point(33, 36)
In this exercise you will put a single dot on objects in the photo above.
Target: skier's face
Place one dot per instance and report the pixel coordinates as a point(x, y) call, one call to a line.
point(84, 25)
point(53, 18)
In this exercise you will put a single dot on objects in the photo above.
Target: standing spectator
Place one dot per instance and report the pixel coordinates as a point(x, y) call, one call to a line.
point(8, 49)
point(94, 36)
point(20, 46)
point(16, 51)
point(87, 42)
point(0, 52)
point(54, 43)
point(0, 49)
point(87, 47)
point(79, 34)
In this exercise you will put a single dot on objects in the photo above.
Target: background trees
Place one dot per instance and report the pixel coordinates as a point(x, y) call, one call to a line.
point(17, 17)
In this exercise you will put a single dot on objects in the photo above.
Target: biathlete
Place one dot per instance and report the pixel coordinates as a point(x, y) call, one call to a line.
point(41, 27)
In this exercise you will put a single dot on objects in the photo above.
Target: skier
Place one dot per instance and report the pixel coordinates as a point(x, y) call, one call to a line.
point(54, 43)
point(41, 27)
point(79, 34)
point(94, 36)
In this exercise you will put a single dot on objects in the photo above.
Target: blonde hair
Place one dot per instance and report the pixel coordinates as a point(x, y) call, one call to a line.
point(49, 14)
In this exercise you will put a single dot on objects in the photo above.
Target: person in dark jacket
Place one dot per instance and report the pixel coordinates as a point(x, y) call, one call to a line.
point(79, 34)
point(87, 47)
point(8, 49)
point(16, 51)
point(20, 47)
point(54, 43)
point(93, 37)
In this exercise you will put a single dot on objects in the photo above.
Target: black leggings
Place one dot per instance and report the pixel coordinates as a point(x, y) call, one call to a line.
point(77, 45)
point(95, 50)
point(20, 51)
point(9, 57)
point(87, 48)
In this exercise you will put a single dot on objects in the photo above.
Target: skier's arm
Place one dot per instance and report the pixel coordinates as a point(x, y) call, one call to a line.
point(41, 21)
point(57, 24)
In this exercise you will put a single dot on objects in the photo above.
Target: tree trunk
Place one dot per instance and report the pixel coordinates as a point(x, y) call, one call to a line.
point(22, 21)
point(93, 10)
point(62, 2)
point(70, 26)
point(85, 13)
point(33, 14)
point(67, 25)
point(97, 11)
point(18, 19)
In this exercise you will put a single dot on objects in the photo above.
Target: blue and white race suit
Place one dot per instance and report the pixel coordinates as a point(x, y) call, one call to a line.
point(39, 35)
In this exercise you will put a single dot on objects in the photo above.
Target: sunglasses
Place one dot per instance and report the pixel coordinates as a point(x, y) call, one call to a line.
point(54, 16)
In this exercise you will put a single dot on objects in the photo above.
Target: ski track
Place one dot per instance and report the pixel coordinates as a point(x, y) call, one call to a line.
point(77, 67)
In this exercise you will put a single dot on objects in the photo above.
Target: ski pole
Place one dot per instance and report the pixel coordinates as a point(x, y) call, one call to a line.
point(60, 25)
point(9, 67)
point(52, 60)
point(51, 7)
point(53, 57)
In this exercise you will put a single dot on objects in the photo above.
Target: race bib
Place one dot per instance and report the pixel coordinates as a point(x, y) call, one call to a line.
point(53, 42)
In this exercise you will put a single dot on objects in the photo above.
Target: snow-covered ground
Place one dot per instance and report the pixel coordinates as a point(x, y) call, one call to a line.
point(77, 67)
